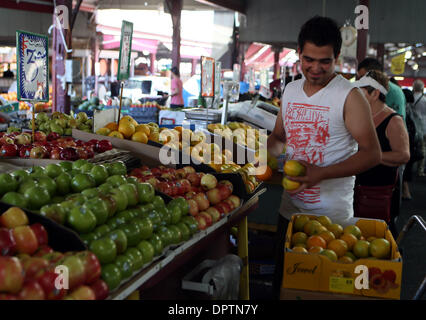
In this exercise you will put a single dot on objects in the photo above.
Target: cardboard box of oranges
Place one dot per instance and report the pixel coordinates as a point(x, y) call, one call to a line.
point(359, 258)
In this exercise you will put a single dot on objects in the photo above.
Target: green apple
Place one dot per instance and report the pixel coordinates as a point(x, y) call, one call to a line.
point(191, 223)
point(105, 188)
point(67, 206)
point(99, 173)
point(8, 183)
point(133, 233)
point(132, 180)
point(131, 193)
point(76, 199)
point(53, 170)
point(166, 235)
point(155, 218)
point(81, 182)
point(101, 231)
point(146, 192)
point(111, 275)
point(147, 250)
point(56, 212)
point(165, 215)
point(146, 227)
point(157, 243)
point(119, 238)
point(88, 238)
point(125, 265)
point(136, 257)
point(63, 183)
point(186, 234)
point(105, 249)
point(91, 193)
point(112, 206)
point(66, 165)
point(181, 203)
point(57, 199)
point(158, 202)
point(15, 199)
point(177, 234)
point(19, 175)
point(86, 168)
point(37, 197)
point(117, 168)
point(48, 184)
point(175, 213)
point(99, 208)
point(146, 208)
point(37, 171)
point(116, 180)
point(127, 215)
point(81, 219)
point(79, 163)
point(26, 184)
point(120, 198)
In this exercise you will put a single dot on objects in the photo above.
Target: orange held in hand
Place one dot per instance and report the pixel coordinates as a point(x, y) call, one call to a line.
point(293, 168)
point(289, 184)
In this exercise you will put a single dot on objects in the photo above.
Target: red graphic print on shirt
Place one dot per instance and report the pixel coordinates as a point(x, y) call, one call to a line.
point(307, 130)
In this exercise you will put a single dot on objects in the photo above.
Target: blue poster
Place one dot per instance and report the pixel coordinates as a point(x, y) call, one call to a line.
point(33, 63)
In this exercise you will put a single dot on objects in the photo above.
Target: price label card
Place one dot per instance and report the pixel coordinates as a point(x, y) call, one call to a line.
point(125, 50)
point(343, 285)
point(207, 77)
point(217, 79)
point(32, 62)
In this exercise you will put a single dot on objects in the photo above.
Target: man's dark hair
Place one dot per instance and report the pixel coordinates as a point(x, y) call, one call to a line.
point(321, 31)
point(370, 64)
point(175, 70)
point(409, 96)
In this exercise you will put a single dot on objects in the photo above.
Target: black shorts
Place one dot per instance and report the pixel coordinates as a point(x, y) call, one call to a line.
point(176, 106)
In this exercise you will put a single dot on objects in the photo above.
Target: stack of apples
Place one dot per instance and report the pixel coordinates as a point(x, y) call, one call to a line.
point(28, 265)
point(208, 200)
point(51, 146)
point(319, 235)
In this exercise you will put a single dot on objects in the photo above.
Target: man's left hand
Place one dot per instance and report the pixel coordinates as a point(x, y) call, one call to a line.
point(312, 177)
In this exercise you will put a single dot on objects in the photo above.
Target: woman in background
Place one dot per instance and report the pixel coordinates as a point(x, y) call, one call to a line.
point(176, 87)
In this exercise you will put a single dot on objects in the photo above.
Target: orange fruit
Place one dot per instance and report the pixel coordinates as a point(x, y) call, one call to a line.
point(380, 248)
point(263, 173)
point(339, 246)
point(113, 126)
point(140, 137)
point(299, 237)
point(345, 259)
point(303, 245)
point(324, 220)
point(316, 241)
point(294, 168)
point(315, 250)
point(354, 230)
point(320, 229)
point(154, 136)
point(350, 255)
point(126, 128)
point(299, 249)
point(311, 226)
point(330, 254)
point(289, 184)
point(336, 229)
point(350, 239)
point(116, 134)
point(128, 119)
point(144, 128)
point(361, 249)
point(299, 222)
point(103, 131)
point(327, 236)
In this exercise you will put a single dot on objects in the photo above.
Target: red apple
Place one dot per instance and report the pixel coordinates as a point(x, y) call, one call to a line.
point(137, 172)
point(13, 217)
point(186, 185)
point(24, 151)
point(201, 222)
point(53, 257)
point(228, 184)
point(193, 207)
point(38, 152)
point(7, 242)
point(156, 172)
point(43, 250)
point(5, 296)
point(224, 191)
point(34, 265)
point(221, 210)
point(207, 218)
point(76, 270)
point(9, 150)
point(153, 181)
point(202, 201)
point(164, 187)
point(55, 153)
point(31, 290)
point(11, 275)
point(23, 138)
point(83, 293)
point(102, 146)
point(92, 266)
point(46, 279)
point(214, 213)
point(40, 136)
point(26, 240)
point(53, 136)
point(230, 203)
point(40, 232)
point(225, 207)
point(214, 196)
point(194, 179)
point(180, 173)
point(189, 169)
point(69, 154)
point(6, 140)
point(189, 195)
point(82, 153)
point(100, 288)
point(235, 200)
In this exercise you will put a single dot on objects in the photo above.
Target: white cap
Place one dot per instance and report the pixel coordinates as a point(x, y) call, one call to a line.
point(369, 81)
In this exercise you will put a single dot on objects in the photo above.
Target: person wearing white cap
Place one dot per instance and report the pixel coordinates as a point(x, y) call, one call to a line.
point(391, 131)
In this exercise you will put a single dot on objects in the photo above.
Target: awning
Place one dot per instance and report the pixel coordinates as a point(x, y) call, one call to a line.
point(260, 56)
point(138, 44)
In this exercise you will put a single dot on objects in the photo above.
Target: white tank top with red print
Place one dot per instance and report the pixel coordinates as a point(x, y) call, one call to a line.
point(316, 132)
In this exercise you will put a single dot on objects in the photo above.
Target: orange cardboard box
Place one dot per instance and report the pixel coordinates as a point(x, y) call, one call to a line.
point(315, 272)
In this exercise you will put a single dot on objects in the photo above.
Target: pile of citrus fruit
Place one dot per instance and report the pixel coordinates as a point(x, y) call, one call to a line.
point(128, 128)
point(319, 235)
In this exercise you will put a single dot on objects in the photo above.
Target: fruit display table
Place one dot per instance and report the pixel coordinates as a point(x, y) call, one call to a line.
point(162, 280)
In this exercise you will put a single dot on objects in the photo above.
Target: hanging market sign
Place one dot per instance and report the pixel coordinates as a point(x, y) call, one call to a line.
point(217, 78)
point(207, 77)
point(398, 64)
point(32, 63)
point(125, 50)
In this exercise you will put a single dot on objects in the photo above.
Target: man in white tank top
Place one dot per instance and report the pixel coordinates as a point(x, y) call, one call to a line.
point(327, 125)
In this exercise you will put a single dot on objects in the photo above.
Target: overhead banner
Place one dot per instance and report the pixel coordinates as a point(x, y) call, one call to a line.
point(125, 50)
point(398, 64)
point(32, 63)
point(207, 77)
